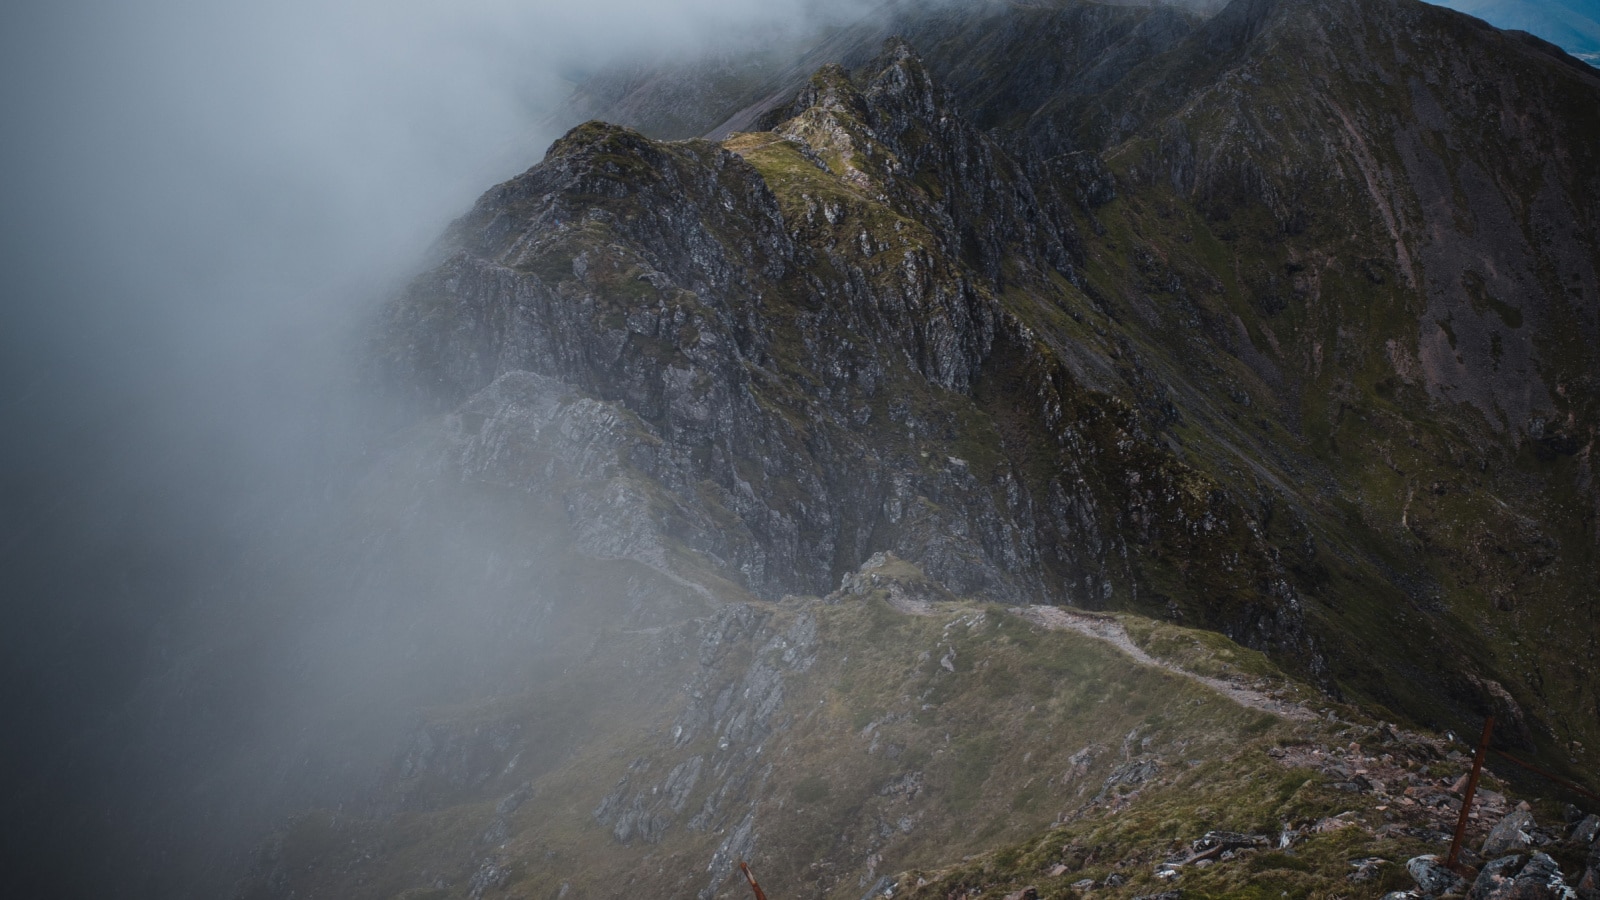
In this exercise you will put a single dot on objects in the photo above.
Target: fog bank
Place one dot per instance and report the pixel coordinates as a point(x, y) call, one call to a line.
point(204, 204)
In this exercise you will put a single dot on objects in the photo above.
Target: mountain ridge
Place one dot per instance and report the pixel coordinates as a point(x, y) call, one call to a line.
point(1282, 331)
point(1365, 172)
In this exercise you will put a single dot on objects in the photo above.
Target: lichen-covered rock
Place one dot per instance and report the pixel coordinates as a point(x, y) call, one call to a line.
point(1535, 877)
point(1586, 830)
point(1432, 878)
point(1512, 834)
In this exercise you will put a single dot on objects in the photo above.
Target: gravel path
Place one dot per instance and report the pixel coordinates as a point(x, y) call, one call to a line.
point(1108, 629)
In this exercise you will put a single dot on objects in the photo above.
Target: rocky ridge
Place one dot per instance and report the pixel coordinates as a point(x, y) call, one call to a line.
point(1279, 324)
point(851, 283)
point(937, 341)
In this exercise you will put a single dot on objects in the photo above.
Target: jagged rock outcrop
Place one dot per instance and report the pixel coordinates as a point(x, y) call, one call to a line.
point(807, 355)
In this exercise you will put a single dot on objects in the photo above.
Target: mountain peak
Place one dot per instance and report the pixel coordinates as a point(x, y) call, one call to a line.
point(898, 75)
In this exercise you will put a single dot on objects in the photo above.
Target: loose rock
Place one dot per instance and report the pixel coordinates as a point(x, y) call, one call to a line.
point(1514, 834)
point(1522, 878)
point(1367, 869)
point(1433, 878)
point(1587, 830)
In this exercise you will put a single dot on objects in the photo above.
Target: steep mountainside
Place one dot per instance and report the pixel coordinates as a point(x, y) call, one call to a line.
point(1574, 25)
point(1280, 324)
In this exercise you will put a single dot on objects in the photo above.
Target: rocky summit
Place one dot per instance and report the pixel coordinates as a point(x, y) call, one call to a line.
point(1041, 449)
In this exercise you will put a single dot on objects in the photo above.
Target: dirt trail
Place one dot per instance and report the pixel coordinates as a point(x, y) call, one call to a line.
point(1111, 631)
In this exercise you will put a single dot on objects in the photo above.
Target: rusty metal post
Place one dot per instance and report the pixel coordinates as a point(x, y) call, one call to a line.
point(1453, 862)
point(750, 877)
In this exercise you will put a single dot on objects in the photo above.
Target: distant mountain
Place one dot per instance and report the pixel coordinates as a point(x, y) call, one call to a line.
point(1572, 25)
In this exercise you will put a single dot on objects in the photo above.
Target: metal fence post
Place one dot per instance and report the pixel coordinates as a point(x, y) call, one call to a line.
point(1453, 862)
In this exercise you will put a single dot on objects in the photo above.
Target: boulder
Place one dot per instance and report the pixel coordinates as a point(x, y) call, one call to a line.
point(1586, 830)
point(1513, 834)
point(884, 887)
point(1589, 884)
point(1535, 877)
point(1356, 784)
point(1542, 870)
point(1496, 874)
point(1433, 878)
point(1367, 869)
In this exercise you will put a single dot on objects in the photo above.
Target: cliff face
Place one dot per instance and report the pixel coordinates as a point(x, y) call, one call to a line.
point(815, 326)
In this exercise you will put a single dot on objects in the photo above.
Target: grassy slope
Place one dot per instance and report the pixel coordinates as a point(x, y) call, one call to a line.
point(1440, 532)
point(1428, 537)
point(991, 747)
point(964, 749)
